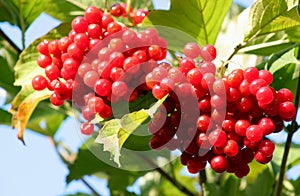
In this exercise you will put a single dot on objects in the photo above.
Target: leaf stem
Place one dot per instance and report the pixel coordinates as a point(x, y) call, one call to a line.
point(2, 34)
point(177, 184)
point(202, 180)
point(291, 130)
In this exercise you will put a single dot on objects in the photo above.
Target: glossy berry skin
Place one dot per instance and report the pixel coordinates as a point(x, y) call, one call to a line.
point(264, 95)
point(208, 53)
point(219, 164)
point(266, 148)
point(39, 83)
point(254, 133)
point(287, 111)
point(119, 88)
point(79, 24)
point(192, 50)
point(139, 15)
point(267, 125)
point(231, 148)
point(87, 128)
point(103, 87)
point(217, 138)
point(116, 10)
point(93, 15)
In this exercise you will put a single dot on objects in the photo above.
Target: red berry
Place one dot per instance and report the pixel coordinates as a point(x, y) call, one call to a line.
point(87, 128)
point(231, 148)
point(93, 15)
point(287, 111)
point(208, 53)
point(264, 95)
point(192, 50)
point(39, 83)
point(219, 164)
point(103, 87)
point(254, 133)
point(79, 24)
point(116, 10)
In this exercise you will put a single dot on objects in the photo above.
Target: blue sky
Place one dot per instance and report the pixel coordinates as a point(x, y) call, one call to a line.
point(35, 169)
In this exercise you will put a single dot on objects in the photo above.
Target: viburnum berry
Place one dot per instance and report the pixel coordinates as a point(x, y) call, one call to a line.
point(93, 15)
point(192, 50)
point(87, 128)
point(208, 53)
point(219, 163)
point(79, 24)
point(39, 83)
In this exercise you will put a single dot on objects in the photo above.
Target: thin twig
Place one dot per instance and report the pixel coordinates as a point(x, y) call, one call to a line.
point(291, 130)
point(202, 180)
point(177, 184)
point(2, 34)
point(95, 193)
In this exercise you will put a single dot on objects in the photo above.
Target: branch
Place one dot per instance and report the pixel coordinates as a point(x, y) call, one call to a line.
point(2, 34)
point(291, 130)
point(90, 187)
point(177, 184)
point(202, 180)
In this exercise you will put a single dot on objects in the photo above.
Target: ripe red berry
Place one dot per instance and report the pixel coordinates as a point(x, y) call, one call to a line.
point(231, 148)
point(116, 10)
point(93, 15)
point(208, 53)
point(287, 111)
point(264, 95)
point(39, 83)
point(192, 50)
point(87, 128)
point(103, 87)
point(79, 24)
point(254, 133)
point(219, 164)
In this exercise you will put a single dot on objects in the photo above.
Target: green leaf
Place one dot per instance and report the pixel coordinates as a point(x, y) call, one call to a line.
point(27, 67)
point(294, 34)
point(91, 159)
point(155, 184)
point(5, 117)
point(262, 185)
point(24, 12)
point(296, 185)
point(8, 58)
point(293, 157)
point(23, 106)
point(201, 19)
point(115, 132)
point(267, 16)
point(284, 67)
point(266, 45)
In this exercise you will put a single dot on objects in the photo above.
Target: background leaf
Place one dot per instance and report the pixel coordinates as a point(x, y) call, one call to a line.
point(267, 16)
point(201, 19)
point(89, 161)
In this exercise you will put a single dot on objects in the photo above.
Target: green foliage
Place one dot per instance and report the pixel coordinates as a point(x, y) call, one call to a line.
point(267, 16)
point(90, 160)
point(273, 33)
point(115, 132)
point(201, 19)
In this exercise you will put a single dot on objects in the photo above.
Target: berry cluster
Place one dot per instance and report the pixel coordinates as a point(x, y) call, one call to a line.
point(100, 62)
point(222, 121)
point(136, 16)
